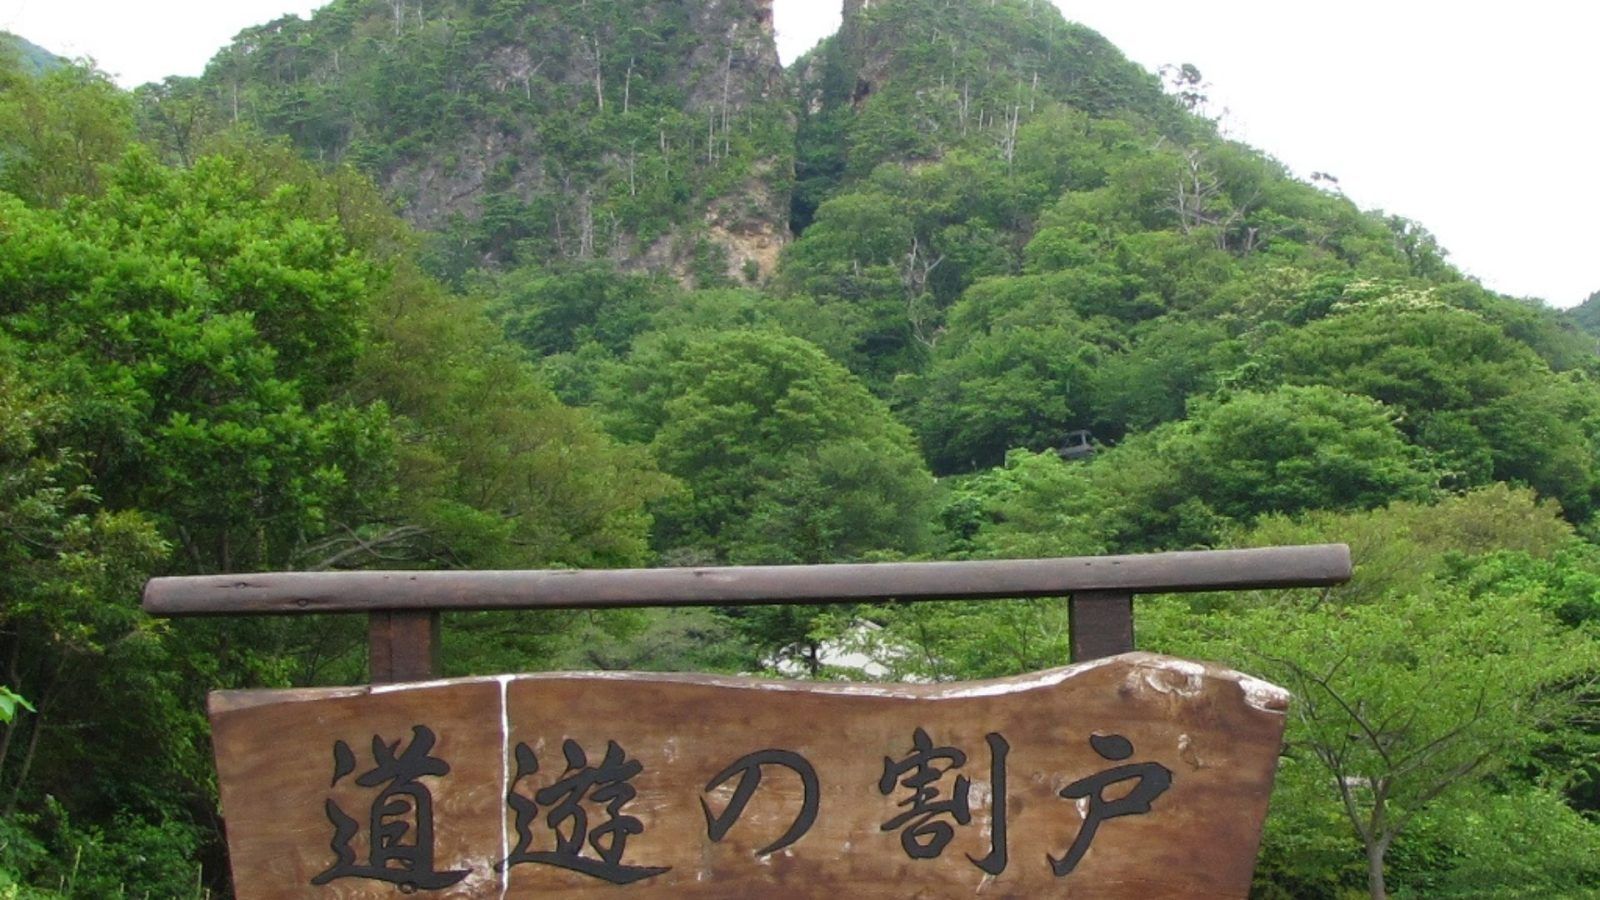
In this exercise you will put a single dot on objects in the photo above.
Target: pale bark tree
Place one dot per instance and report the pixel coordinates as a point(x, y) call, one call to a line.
point(593, 45)
point(915, 271)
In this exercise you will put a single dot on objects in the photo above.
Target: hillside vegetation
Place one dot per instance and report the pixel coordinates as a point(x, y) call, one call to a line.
point(1586, 315)
point(32, 58)
point(509, 283)
point(652, 137)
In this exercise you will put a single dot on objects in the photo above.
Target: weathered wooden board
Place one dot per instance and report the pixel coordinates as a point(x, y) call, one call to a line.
point(1137, 776)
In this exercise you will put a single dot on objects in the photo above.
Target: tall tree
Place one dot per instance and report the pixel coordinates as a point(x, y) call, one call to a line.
point(786, 456)
point(1401, 702)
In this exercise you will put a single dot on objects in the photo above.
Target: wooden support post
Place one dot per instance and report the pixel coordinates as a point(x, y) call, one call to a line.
point(404, 646)
point(1101, 624)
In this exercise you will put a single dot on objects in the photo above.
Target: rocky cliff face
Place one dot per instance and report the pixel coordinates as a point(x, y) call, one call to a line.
point(658, 135)
point(655, 135)
point(738, 70)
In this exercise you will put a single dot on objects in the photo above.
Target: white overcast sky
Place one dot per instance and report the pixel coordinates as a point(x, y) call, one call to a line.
point(1476, 119)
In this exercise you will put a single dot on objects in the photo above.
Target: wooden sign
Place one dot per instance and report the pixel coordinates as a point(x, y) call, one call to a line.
point(1136, 776)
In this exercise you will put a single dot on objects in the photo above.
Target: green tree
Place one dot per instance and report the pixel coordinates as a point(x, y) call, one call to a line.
point(1399, 548)
point(203, 331)
point(1035, 506)
point(1547, 436)
point(1586, 315)
point(1400, 702)
point(555, 312)
point(57, 130)
point(490, 469)
point(1170, 360)
point(236, 358)
point(852, 257)
point(1483, 403)
point(1249, 454)
point(1430, 560)
point(34, 60)
point(1410, 352)
point(1292, 450)
point(493, 471)
point(1522, 841)
point(68, 568)
point(1016, 369)
point(194, 334)
point(786, 456)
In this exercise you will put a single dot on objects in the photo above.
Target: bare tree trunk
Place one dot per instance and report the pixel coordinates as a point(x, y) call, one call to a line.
point(1196, 189)
point(727, 85)
point(1008, 137)
point(1375, 882)
point(1251, 236)
point(914, 274)
point(599, 76)
point(627, 87)
point(331, 553)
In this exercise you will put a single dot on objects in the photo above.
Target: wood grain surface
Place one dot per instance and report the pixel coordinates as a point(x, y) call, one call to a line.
point(290, 593)
point(294, 763)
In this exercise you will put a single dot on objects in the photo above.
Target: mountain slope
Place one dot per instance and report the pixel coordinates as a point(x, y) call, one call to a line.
point(1586, 315)
point(654, 136)
point(35, 59)
point(986, 195)
point(910, 80)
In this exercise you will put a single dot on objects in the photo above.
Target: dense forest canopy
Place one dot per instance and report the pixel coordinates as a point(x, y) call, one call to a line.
point(511, 283)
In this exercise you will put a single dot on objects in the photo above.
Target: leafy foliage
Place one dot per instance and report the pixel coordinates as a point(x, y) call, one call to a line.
point(57, 129)
point(226, 367)
point(1586, 315)
point(220, 352)
point(216, 336)
point(787, 458)
point(1497, 672)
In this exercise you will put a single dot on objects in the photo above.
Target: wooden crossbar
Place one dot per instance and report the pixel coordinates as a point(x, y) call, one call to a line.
point(404, 606)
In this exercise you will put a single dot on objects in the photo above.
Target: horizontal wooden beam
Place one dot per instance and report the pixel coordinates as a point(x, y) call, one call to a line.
point(365, 592)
